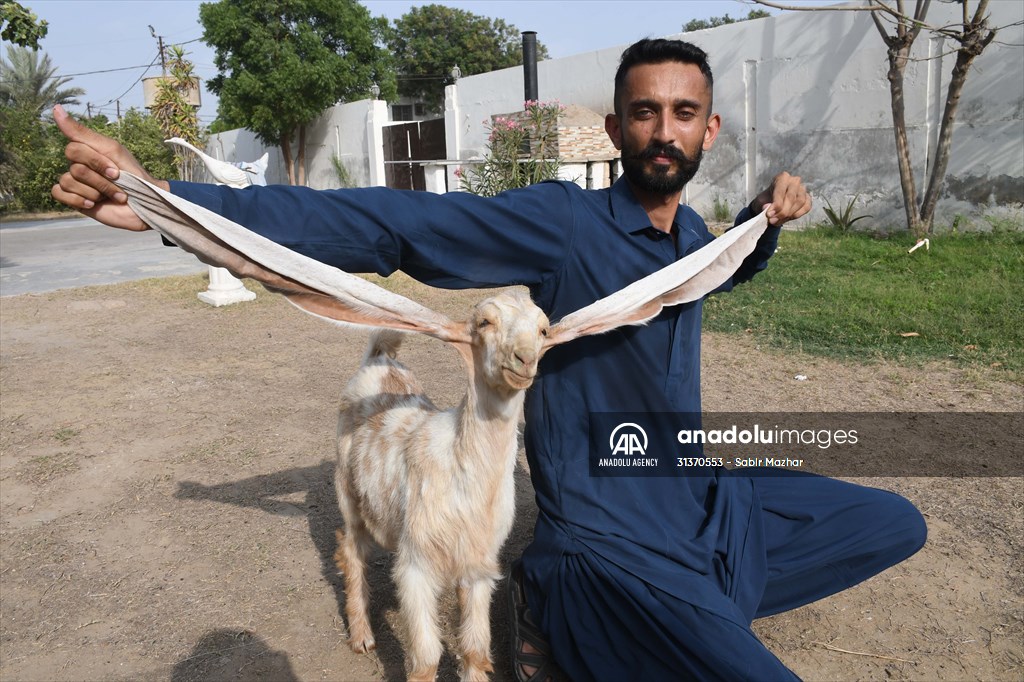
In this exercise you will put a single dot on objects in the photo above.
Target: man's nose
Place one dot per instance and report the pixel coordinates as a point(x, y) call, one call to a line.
point(664, 133)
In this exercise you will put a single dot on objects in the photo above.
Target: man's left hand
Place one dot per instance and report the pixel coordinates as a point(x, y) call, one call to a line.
point(788, 199)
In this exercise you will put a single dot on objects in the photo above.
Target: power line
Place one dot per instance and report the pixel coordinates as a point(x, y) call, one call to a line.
point(89, 73)
point(123, 68)
point(114, 99)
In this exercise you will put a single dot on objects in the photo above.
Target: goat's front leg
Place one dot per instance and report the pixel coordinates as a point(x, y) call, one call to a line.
point(350, 557)
point(418, 590)
point(475, 630)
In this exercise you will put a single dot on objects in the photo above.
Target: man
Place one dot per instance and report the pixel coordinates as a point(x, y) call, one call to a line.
point(626, 578)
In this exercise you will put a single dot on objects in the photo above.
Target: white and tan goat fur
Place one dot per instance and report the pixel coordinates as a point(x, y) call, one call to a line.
point(434, 486)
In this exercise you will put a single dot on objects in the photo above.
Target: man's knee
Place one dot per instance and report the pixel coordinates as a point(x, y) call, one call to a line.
point(907, 525)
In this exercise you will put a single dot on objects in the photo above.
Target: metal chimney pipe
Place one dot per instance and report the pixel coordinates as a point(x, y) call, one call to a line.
point(530, 65)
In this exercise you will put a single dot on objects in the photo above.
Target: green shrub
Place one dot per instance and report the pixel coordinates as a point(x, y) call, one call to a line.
point(517, 155)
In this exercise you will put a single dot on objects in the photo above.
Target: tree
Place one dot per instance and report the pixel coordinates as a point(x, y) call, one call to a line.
point(142, 135)
point(32, 154)
point(29, 81)
point(283, 62)
point(172, 110)
point(20, 26)
point(712, 22)
point(28, 87)
point(972, 34)
point(429, 40)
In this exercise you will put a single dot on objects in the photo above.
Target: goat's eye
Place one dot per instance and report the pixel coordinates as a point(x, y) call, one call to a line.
point(544, 332)
point(483, 323)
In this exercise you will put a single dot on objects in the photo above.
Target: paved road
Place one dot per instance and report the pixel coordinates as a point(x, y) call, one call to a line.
point(46, 255)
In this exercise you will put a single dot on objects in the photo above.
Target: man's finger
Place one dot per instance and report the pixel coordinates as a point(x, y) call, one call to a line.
point(71, 199)
point(76, 132)
point(87, 146)
point(92, 169)
point(85, 182)
point(790, 198)
point(106, 212)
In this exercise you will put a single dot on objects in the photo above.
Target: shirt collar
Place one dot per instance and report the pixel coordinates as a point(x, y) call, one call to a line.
point(627, 211)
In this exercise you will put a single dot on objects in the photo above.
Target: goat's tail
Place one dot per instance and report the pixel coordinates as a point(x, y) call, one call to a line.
point(383, 342)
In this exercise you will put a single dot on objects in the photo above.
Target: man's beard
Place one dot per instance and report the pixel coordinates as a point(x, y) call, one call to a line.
point(661, 179)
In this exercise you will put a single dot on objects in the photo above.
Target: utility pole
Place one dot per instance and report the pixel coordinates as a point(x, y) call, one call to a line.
point(160, 42)
point(88, 109)
point(118, 109)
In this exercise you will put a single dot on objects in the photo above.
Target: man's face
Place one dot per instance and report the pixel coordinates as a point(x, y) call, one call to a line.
point(664, 125)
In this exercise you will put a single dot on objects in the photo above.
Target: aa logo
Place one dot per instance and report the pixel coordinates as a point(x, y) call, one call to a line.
point(628, 439)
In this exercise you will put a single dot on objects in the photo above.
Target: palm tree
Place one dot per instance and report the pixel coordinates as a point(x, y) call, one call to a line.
point(28, 80)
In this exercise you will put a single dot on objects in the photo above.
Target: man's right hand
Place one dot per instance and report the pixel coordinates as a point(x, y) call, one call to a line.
point(96, 160)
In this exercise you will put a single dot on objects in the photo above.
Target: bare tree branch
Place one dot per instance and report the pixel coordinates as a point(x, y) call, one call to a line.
point(872, 6)
point(919, 14)
point(881, 29)
point(973, 35)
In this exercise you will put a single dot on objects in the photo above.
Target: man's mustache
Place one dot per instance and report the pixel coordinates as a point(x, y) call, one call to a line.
point(665, 150)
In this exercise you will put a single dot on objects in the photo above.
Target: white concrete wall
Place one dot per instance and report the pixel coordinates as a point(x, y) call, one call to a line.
point(807, 92)
point(346, 131)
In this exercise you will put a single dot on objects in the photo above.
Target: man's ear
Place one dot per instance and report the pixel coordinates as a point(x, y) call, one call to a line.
point(710, 133)
point(614, 129)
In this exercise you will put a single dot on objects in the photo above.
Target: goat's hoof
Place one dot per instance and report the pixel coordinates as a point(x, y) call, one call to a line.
point(362, 645)
point(477, 674)
point(476, 668)
point(424, 675)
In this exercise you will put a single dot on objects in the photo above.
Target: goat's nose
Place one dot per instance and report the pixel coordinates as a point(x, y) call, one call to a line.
point(525, 357)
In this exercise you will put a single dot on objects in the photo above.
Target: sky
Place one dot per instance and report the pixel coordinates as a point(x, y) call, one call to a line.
point(87, 36)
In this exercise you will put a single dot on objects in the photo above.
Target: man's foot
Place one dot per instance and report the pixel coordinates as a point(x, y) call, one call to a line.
point(531, 656)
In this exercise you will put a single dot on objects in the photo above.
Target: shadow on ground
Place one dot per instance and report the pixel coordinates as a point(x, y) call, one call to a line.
point(238, 654)
point(233, 655)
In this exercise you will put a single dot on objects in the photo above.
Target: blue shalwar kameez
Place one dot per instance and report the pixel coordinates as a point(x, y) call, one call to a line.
point(629, 578)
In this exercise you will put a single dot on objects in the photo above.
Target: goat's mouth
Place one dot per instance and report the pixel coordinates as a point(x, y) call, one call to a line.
point(517, 380)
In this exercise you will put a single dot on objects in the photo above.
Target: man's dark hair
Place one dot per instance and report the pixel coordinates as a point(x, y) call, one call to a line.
point(659, 51)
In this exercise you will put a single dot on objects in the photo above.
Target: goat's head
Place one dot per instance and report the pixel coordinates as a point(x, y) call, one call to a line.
point(508, 333)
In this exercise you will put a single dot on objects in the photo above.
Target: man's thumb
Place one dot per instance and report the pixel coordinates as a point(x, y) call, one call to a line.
point(72, 129)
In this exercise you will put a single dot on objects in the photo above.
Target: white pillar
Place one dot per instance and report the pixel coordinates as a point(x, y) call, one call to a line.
point(433, 175)
point(452, 137)
point(224, 289)
point(574, 172)
point(750, 121)
point(936, 98)
point(376, 117)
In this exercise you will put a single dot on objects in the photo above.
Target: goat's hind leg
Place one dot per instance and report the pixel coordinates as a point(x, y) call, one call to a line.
point(353, 547)
point(475, 630)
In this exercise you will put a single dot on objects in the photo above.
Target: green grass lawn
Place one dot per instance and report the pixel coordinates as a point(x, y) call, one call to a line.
point(850, 295)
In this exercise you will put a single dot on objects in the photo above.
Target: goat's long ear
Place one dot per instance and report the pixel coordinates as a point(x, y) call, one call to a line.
point(686, 280)
point(314, 287)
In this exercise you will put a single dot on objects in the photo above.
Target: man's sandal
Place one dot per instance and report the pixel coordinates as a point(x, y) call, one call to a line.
point(525, 631)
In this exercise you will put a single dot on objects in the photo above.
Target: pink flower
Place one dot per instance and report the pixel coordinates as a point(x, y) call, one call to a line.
point(458, 172)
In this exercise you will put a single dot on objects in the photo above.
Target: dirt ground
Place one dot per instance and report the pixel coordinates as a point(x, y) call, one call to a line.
point(167, 510)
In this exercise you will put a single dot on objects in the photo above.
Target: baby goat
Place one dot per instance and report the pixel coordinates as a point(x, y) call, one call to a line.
point(434, 486)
